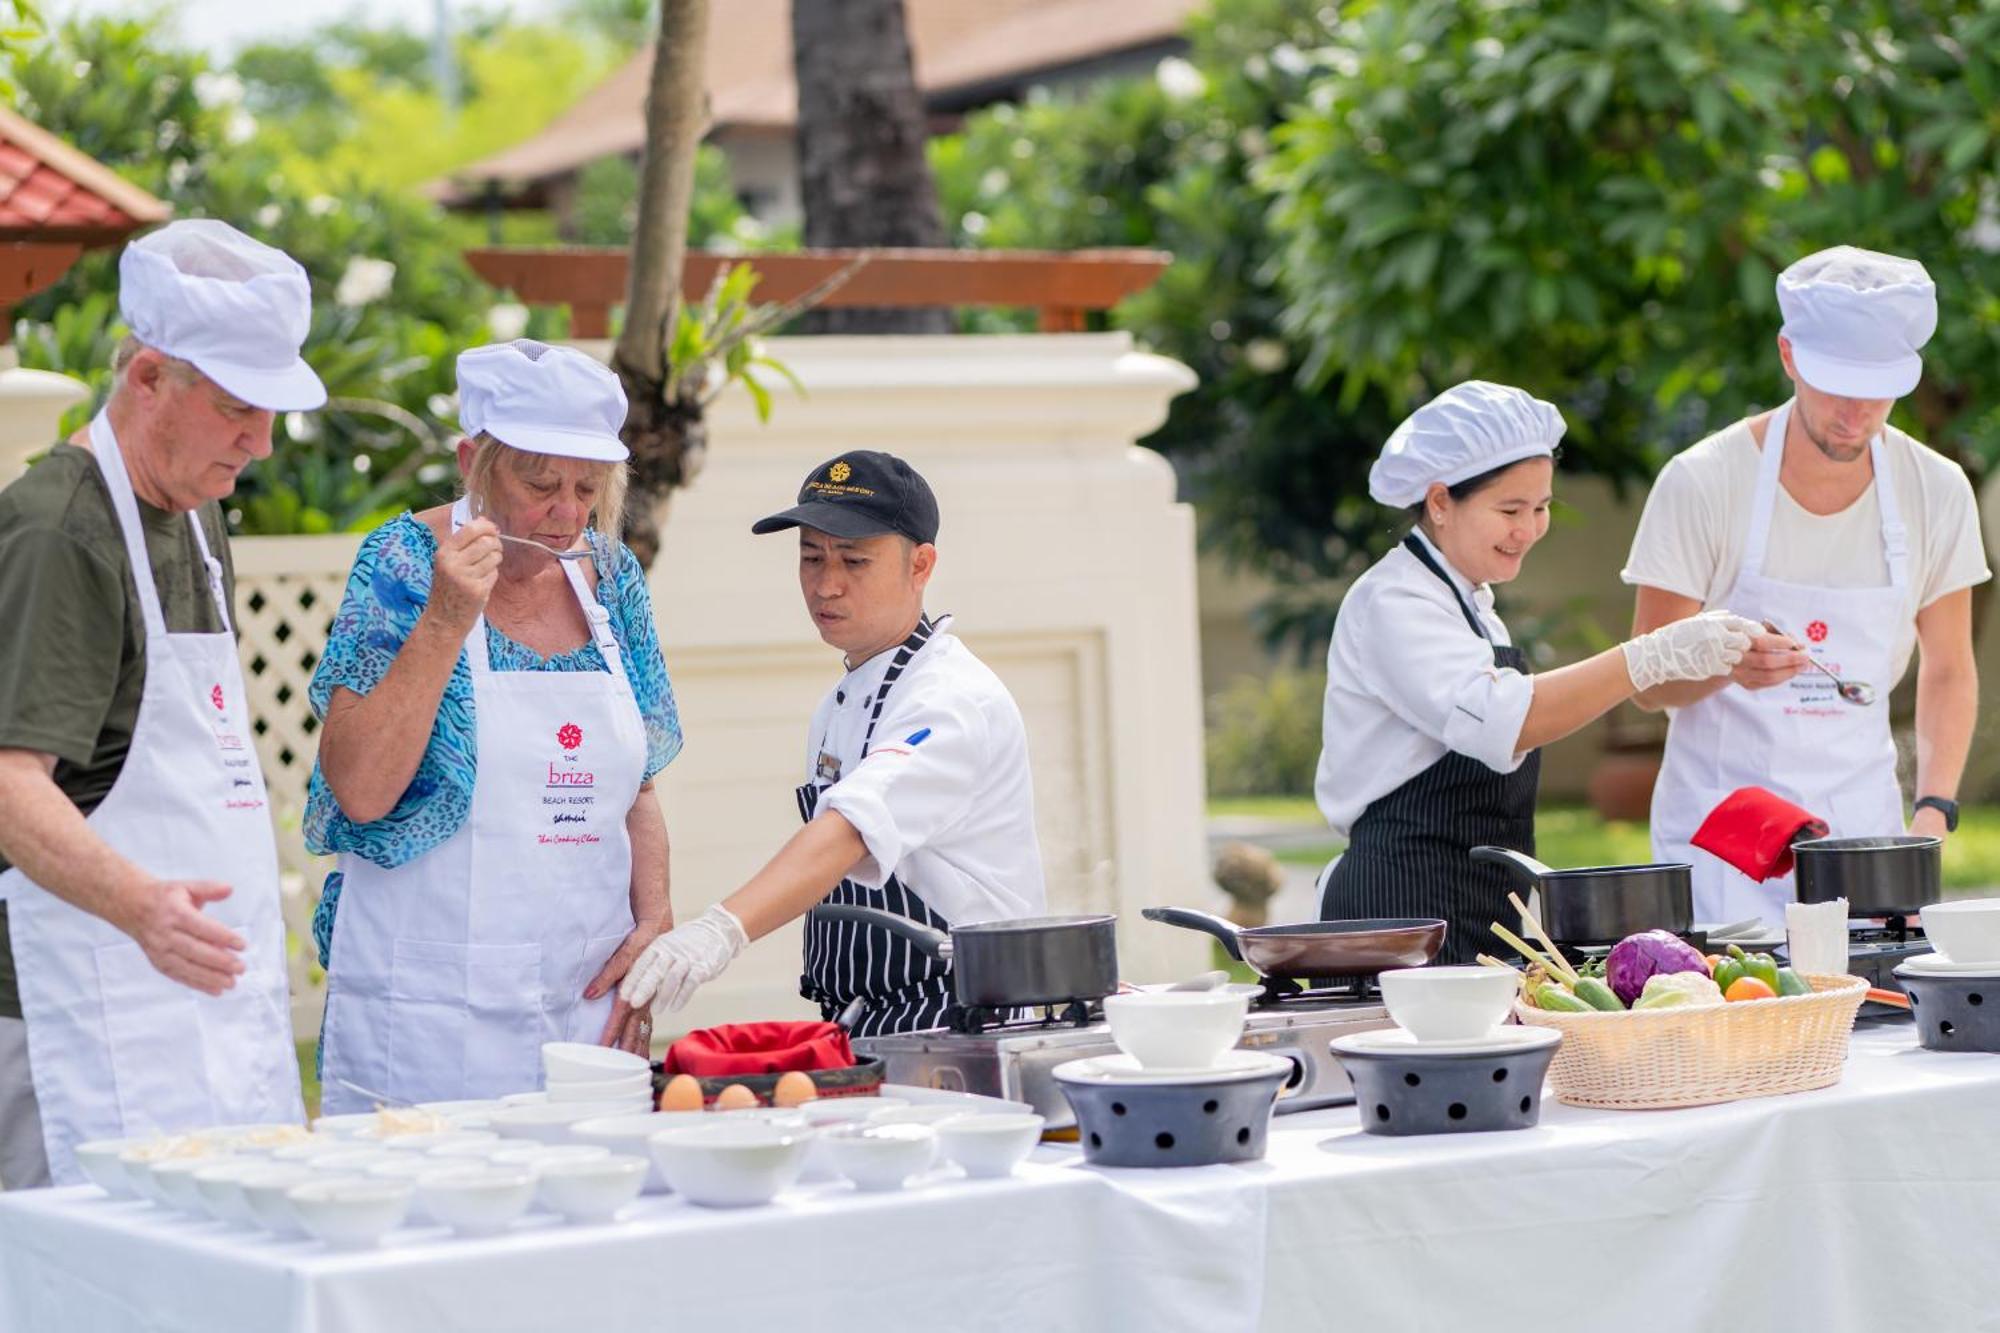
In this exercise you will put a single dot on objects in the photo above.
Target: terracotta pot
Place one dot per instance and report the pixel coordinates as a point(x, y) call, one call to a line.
point(1621, 786)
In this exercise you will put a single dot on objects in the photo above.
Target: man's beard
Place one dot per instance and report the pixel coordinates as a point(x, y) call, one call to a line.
point(1838, 453)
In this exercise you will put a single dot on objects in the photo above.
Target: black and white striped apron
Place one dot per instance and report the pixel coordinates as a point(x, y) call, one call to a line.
point(1407, 855)
point(905, 989)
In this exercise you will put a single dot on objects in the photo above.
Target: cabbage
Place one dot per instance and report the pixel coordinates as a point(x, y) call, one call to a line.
point(1648, 954)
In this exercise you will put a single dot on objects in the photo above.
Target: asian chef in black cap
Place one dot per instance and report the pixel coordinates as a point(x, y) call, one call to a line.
point(917, 799)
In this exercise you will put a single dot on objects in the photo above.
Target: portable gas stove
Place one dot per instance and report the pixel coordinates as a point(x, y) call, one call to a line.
point(978, 1052)
point(1874, 948)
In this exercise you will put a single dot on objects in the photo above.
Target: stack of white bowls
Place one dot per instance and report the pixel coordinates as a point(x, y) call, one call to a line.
point(575, 1071)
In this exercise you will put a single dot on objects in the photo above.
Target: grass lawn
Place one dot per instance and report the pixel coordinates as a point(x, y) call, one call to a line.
point(1573, 835)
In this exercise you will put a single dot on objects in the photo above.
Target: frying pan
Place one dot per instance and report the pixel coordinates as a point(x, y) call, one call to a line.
point(1317, 948)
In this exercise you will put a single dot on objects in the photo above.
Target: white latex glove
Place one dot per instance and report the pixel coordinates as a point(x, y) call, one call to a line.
point(1697, 648)
point(684, 959)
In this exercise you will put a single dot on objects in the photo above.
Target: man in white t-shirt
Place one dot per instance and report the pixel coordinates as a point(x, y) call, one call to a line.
point(1856, 543)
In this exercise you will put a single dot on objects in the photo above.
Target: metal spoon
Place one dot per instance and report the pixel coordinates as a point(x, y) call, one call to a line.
point(478, 510)
point(577, 553)
point(379, 1098)
point(1858, 693)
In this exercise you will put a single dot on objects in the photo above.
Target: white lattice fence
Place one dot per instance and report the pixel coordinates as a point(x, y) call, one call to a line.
point(287, 589)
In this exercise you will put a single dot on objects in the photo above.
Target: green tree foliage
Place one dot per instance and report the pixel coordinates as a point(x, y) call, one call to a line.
point(318, 147)
point(1369, 202)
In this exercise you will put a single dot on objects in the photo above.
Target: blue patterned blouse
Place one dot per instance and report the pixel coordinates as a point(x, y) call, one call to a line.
point(386, 591)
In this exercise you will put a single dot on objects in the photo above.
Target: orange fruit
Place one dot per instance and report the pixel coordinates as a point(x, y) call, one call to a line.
point(1748, 988)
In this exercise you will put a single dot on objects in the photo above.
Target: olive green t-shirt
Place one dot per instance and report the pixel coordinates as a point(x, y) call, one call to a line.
point(73, 647)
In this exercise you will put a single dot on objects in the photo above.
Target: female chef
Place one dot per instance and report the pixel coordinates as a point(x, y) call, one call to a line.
point(1432, 723)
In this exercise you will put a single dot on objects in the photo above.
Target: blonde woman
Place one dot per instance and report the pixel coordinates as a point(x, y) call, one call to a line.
point(494, 708)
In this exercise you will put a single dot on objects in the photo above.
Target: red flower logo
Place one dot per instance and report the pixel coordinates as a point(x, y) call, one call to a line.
point(215, 697)
point(570, 736)
point(1816, 631)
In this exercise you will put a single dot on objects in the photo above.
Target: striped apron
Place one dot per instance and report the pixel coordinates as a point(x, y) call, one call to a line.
point(903, 988)
point(1408, 853)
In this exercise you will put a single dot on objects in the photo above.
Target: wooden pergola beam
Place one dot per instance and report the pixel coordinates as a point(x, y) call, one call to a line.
point(1061, 285)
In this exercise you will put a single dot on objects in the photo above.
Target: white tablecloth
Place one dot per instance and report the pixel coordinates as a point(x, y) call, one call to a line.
point(1871, 1205)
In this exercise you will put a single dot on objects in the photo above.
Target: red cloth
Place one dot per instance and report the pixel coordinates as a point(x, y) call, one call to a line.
point(1753, 830)
point(759, 1048)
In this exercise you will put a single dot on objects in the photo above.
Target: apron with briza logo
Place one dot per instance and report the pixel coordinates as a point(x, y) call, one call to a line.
point(447, 974)
point(1800, 739)
point(901, 988)
point(1409, 854)
point(117, 1048)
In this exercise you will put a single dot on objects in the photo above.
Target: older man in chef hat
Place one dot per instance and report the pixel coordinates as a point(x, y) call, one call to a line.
point(1857, 543)
point(140, 874)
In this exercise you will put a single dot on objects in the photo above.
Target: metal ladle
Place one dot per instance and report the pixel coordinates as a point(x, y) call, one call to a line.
point(1859, 693)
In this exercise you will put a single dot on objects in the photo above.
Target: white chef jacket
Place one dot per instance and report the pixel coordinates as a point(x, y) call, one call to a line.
point(943, 799)
point(1407, 680)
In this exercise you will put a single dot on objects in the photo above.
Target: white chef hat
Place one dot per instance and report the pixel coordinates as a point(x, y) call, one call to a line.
point(543, 399)
point(1468, 429)
point(237, 309)
point(1856, 319)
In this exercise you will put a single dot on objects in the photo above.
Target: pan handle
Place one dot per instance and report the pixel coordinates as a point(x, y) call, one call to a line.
point(1206, 922)
point(933, 942)
point(1524, 867)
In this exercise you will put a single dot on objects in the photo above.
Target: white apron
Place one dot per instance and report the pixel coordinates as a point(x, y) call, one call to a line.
point(448, 973)
point(1799, 739)
point(118, 1049)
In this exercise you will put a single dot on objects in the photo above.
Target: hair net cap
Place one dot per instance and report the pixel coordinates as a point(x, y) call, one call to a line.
point(1856, 320)
point(543, 399)
point(1468, 429)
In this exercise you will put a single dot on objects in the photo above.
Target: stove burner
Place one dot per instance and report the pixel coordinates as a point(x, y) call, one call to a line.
point(975, 1019)
point(1891, 930)
point(1280, 992)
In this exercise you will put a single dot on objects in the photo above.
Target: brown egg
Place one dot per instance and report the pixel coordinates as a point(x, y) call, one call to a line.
point(794, 1089)
point(682, 1093)
point(735, 1097)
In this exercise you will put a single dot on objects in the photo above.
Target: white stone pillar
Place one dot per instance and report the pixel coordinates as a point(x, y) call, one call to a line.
point(31, 406)
point(1066, 558)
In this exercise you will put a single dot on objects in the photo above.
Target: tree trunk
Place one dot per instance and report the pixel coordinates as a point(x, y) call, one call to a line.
point(862, 170)
point(666, 439)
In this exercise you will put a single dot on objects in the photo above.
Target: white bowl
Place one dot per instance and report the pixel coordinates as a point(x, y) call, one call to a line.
point(550, 1121)
point(920, 1114)
point(880, 1157)
point(316, 1147)
point(1966, 930)
point(1448, 1003)
point(351, 1123)
point(173, 1179)
point(630, 1133)
point(437, 1139)
point(99, 1160)
point(847, 1110)
point(256, 1138)
point(534, 1156)
point(220, 1185)
point(593, 1189)
point(138, 1164)
point(414, 1169)
point(350, 1214)
point(478, 1200)
point(1176, 1029)
point(354, 1162)
point(471, 1108)
point(264, 1193)
point(988, 1145)
point(639, 1088)
point(580, 1062)
point(535, 1098)
point(471, 1150)
point(731, 1164)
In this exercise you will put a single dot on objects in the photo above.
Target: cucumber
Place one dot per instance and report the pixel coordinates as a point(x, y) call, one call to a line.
point(1598, 995)
point(1552, 996)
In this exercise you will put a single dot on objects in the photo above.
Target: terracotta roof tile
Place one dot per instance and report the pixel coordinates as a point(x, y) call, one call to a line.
point(50, 190)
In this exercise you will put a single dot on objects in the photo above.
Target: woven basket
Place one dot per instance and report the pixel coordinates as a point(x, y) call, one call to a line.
point(1652, 1058)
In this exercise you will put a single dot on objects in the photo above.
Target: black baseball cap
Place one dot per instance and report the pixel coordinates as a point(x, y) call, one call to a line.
point(862, 494)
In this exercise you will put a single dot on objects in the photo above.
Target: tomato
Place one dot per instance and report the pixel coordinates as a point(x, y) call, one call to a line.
point(1749, 988)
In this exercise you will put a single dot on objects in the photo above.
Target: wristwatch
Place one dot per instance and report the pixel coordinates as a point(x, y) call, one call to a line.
point(1947, 808)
